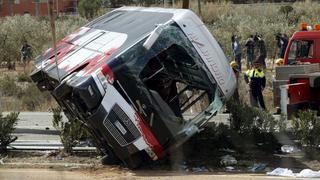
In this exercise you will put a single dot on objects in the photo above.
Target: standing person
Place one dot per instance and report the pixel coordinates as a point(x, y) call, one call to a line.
point(256, 80)
point(235, 69)
point(282, 42)
point(262, 50)
point(250, 51)
point(25, 52)
point(236, 49)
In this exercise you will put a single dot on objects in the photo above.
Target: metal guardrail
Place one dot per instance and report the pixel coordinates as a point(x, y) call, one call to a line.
point(49, 148)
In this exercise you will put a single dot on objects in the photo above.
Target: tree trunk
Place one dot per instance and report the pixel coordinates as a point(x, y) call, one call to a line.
point(185, 4)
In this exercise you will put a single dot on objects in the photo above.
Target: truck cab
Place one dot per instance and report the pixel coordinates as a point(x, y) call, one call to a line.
point(297, 83)
point(143, 80)
point(303, 48)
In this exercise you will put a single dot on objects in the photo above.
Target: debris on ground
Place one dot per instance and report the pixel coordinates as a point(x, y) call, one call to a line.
point(59, 157)
point(183, 166)
point(200, 169)
point(72, 166)
point(289, 149)
point(230, 168)
point(86, 143)
point(227, 150)
point(49, 153)
point(281, 172)
point(1, 162)
point(258, 167)
point(305, 173)
point(228, 160)
point(308, 173)
point(2, 159)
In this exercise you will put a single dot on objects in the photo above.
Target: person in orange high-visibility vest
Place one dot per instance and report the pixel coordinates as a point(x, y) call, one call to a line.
point(256, 80)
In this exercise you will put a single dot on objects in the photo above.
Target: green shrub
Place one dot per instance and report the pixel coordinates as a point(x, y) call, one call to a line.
point(23, 77)
point(89, 9)
point(244, 119)
point(286, 10)
point(209, 141)
point(26, 96)
point(8, 86)
point(71, 131)
point(306, 127)
point(241, 116)
point(265, 121)
point(7, 126)
point(282, 123)
point(31, 97)
point(30, 102)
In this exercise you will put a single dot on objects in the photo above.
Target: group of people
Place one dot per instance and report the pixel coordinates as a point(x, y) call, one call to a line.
point(255, 49)
point(256, 52)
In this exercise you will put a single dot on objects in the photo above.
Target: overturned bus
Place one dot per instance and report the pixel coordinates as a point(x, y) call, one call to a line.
point(143, 80)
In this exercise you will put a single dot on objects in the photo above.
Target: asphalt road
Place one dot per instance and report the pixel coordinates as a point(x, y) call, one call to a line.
point(35, 129)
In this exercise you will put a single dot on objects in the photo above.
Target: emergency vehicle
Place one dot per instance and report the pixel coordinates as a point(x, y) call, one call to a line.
point(133, 74)
point(297, 83)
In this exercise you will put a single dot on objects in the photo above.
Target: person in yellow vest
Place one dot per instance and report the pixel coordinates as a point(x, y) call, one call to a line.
point(256, 80)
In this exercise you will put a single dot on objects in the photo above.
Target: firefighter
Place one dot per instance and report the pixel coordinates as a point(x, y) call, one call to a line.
point(235, 68)
point(280, 62)
point(256, 80)
point(235, 97)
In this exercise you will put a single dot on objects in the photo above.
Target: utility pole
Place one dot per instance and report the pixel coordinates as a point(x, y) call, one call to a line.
point(57, 8)
point(185, 4)
point(199, 8)
point(11, 7)
point(37, 8)
point(53, 31)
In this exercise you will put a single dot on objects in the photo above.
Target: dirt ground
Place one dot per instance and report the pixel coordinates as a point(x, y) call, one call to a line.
point(38, 166)
point(56, 166)
point(111, 173)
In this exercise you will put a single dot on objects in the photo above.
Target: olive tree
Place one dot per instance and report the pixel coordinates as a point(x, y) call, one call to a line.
point(89, 9)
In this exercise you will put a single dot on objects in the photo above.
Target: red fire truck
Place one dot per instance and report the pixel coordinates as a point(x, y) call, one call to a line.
point(297, 83)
